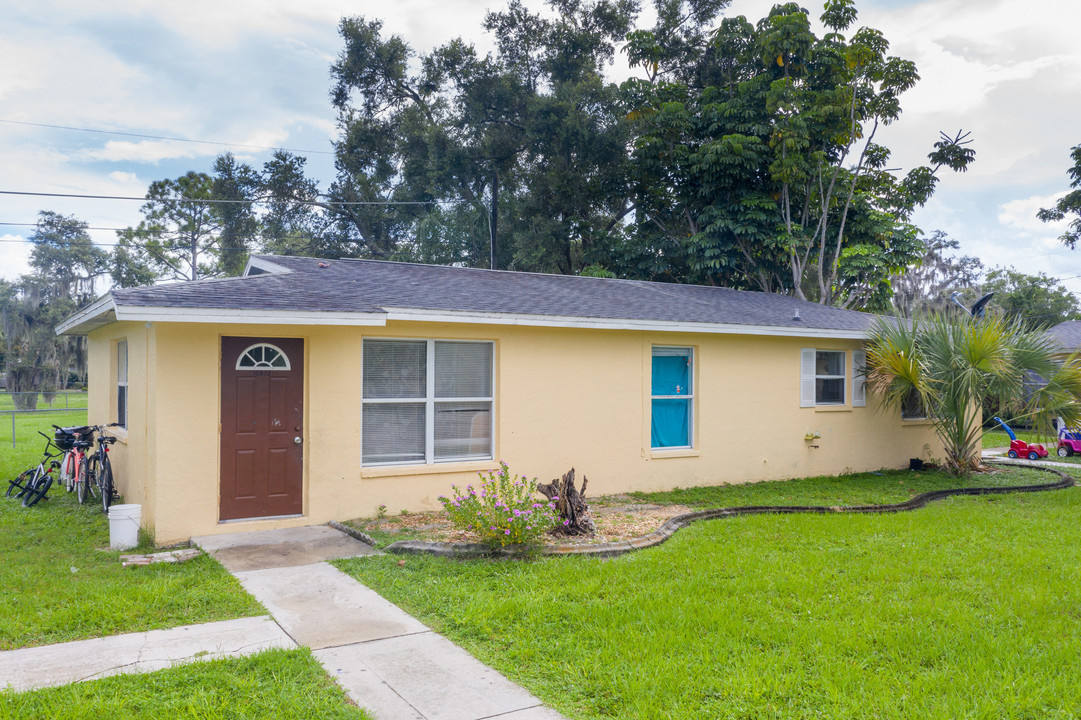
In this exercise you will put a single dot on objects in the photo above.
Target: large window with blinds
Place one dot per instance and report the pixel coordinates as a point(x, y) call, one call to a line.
point(427, 401)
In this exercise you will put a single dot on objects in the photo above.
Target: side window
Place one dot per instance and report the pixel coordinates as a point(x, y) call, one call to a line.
point(122, 383)
point(912, 407)
point(672, 398)
point(824, 378)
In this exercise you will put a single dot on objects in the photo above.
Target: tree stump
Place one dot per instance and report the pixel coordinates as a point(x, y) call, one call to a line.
point(571, 505)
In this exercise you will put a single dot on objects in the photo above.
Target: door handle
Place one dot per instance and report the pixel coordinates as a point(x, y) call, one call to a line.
point(297, 440)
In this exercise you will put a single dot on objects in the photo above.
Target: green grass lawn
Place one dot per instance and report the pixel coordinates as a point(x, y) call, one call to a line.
point(27, 426)
point(60, 581)
point(965, 609)
point(61, 400)
point(273, 684)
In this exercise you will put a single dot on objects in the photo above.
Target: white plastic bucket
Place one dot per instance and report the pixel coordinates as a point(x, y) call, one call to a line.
point(124, 526)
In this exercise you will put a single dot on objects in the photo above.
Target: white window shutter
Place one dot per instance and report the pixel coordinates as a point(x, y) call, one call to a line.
point(807, 377)
point(859, 378)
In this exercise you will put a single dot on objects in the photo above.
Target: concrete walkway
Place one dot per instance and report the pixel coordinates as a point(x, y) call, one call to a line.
point(387, 661)
point(49, 665)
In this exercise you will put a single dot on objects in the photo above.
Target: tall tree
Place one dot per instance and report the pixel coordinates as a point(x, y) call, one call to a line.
point(232, 186)
point(525, 147)
point(181, 231)
point(1037, 301)
point(64, 266)
point(764, 158)
point(1069, 206)
point(927, 285)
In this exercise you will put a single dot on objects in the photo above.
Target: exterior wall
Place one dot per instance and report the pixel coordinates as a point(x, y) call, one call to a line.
point(130, 456)
point(564, 397)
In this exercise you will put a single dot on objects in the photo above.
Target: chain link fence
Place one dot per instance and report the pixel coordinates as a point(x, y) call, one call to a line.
point(31, 412)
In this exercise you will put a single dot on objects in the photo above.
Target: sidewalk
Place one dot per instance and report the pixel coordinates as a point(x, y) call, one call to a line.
point(387, 662)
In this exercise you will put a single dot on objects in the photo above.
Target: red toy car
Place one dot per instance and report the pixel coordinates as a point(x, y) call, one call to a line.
point(1020, 448)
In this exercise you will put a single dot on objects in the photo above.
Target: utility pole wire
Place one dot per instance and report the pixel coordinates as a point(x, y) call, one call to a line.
point(220, 202)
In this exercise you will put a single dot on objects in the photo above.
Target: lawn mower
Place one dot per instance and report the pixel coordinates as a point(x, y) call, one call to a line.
point(1020, 448)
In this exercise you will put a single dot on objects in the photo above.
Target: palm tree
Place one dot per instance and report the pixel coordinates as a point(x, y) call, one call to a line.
point(953, 365)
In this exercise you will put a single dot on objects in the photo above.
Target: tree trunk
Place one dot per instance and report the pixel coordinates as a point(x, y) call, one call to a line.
point(23, 386)
point(571, 505)
point(493, 223)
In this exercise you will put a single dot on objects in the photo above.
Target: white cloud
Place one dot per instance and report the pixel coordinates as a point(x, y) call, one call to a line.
point(125, 178)
point(1021, 213)
point(14, 256)
point(147, 151)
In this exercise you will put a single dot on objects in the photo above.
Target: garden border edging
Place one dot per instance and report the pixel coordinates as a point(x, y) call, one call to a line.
point(669, 528)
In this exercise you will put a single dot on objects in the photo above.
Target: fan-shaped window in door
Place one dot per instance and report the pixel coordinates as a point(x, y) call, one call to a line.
point(263, 356)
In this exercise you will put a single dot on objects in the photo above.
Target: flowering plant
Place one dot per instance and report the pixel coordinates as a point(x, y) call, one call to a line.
point(503, 510)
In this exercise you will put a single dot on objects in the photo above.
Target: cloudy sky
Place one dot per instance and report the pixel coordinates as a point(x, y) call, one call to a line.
point(250, 75)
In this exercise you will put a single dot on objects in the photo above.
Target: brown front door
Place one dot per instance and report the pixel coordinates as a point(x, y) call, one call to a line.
point(262, 431)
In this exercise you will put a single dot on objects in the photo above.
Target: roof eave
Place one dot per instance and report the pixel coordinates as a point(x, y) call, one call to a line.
point(97, 314)
point(558, 321)
point(235, 316)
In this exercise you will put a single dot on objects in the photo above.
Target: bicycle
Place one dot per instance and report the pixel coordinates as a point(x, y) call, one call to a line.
point(35, 482)
point(74, 441)
point(99, 472)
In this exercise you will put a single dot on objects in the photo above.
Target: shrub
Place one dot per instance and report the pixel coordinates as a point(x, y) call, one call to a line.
point(503, 511)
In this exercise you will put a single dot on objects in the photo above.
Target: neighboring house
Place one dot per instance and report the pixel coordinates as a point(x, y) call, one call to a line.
point(1067, 336)
point(312, 390)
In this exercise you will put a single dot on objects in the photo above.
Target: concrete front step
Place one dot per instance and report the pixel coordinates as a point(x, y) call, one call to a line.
point(281, 548)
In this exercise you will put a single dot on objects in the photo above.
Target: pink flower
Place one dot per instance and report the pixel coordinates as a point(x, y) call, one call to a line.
point(507, 532)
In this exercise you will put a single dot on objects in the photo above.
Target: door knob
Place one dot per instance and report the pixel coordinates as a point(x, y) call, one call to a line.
point(297, 440)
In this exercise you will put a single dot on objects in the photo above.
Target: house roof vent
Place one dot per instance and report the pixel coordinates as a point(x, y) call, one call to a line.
point(796, 317)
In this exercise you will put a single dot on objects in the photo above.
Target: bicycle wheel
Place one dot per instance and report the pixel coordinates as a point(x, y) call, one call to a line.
point(19, 484)
point(82, 481)
point(91, 480)
point(39, 486)
point(106, 483)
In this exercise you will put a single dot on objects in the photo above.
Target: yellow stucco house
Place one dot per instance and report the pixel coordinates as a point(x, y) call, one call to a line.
point(309, 390)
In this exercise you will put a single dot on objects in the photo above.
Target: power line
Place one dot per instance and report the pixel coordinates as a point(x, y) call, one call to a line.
point(163, 137)
point(219, 202)
point(34, 224)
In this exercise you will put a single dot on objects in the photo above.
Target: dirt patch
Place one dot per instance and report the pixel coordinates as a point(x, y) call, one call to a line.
point(617, 518)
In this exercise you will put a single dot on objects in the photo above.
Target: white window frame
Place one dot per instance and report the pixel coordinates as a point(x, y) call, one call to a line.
point(853, 377)
point(262, 365)
point(843, 377)
point(430, 401)
point(681, 351)
point(122, 351)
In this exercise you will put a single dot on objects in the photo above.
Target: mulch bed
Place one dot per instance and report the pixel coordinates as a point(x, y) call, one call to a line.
point(618, 517)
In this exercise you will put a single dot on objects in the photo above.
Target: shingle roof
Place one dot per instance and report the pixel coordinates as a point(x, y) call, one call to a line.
point(1067, 334)
point(369, 286)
